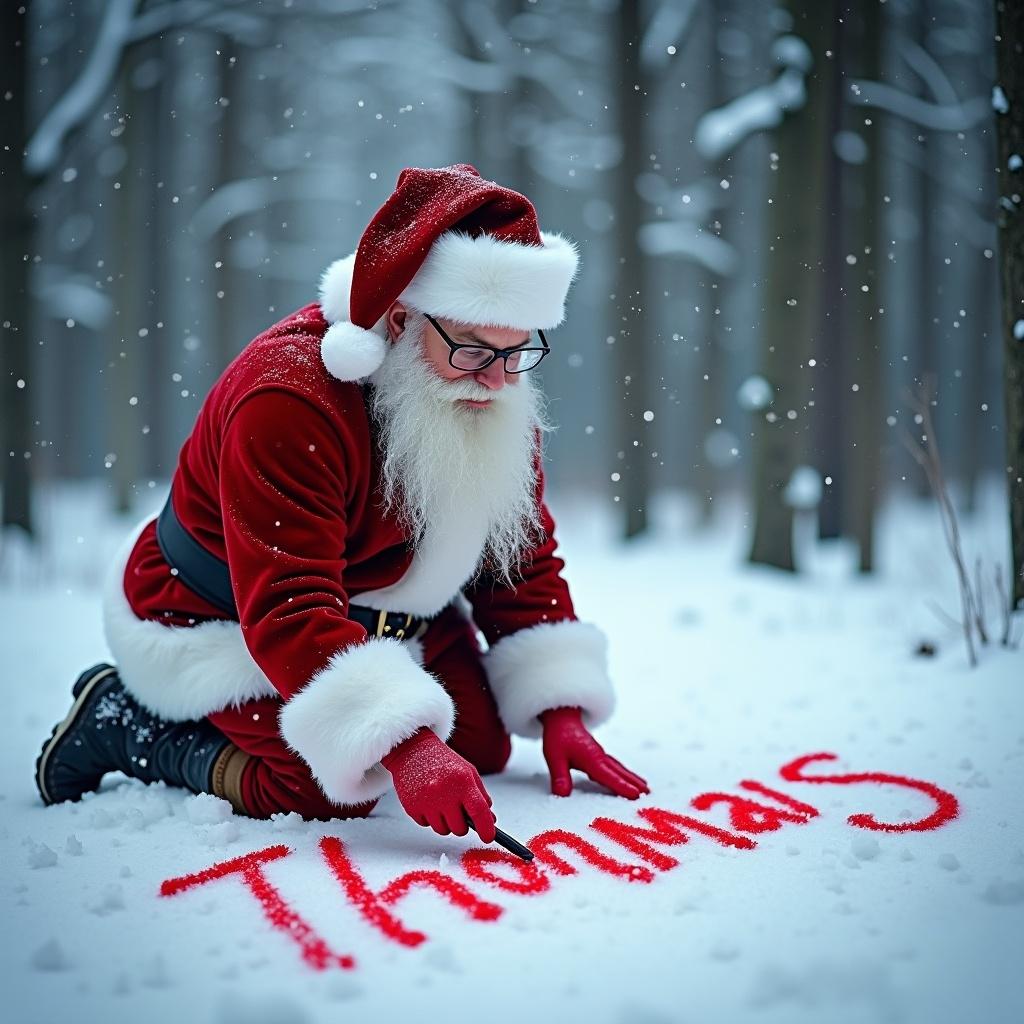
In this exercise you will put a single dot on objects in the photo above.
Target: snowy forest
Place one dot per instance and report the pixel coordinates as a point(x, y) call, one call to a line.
point(788, 216)
point(787, 466)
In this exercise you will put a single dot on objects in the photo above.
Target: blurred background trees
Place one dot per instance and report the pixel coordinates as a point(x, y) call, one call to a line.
point(787, 216)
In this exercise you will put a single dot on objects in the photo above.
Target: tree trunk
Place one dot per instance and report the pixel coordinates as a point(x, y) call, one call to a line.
point(712, 287)
point(15, 301)
point(496, 152)
point(224, 282)
point(832, 435)
point(795, 239)
point(863, 469)
point(465, 43)
point(127, 351)
point(628, 297)
point(1010, 178)
point(924, 363)
point(190, 174)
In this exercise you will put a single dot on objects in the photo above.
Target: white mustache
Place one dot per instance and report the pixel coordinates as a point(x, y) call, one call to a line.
point(459, 390)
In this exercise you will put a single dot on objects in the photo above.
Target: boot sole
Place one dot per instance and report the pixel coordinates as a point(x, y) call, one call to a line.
point(81, 697)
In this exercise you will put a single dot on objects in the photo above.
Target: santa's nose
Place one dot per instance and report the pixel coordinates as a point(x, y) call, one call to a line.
point(493, 376)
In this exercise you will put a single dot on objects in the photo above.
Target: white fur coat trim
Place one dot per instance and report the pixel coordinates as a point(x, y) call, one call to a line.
point(554, 664)
point(367, 700)
point(181, 673)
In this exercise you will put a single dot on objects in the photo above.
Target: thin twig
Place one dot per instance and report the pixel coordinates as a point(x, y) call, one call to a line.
point(979, 603)
point(927, 455)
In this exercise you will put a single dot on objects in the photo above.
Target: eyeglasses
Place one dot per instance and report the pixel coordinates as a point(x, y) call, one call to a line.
point(479, 357)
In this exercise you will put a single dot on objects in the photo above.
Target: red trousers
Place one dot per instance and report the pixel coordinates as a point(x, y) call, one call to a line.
point(276, 779)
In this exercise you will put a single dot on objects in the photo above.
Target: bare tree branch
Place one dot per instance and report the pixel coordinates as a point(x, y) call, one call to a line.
point(943, 117)
point(544, 67)
point(228, 16)
point(119, 29)
point(44, 147)
point(928, 69)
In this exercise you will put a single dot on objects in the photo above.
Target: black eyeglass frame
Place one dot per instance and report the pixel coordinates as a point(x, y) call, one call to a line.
point(496, 353)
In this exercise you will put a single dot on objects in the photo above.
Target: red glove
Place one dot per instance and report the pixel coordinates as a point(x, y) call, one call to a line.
point(568, 744)
point(438, 788)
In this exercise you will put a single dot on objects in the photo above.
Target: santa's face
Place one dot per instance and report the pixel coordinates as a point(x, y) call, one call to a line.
point(491, 379)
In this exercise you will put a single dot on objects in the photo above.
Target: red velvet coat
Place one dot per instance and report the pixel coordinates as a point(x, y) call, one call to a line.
point(280, 478)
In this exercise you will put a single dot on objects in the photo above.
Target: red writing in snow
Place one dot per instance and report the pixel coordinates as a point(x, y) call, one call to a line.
point(558, 852)
point(249, 869)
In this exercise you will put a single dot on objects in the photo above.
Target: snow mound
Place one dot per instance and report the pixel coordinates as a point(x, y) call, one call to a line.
point(206, 809)
point(50, 956)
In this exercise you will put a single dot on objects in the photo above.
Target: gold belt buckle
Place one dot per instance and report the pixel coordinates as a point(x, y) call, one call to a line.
point(402, 631)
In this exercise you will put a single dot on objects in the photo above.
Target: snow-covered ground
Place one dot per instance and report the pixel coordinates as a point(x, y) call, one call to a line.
point(724, 673)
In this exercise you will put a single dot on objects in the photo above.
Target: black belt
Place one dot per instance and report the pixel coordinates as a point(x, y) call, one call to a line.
point(206, 575)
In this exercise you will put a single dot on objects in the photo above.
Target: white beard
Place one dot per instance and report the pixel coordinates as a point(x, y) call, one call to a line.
point(438, 456)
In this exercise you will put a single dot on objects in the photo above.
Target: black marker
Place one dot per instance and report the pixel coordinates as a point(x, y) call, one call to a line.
point(503, 839)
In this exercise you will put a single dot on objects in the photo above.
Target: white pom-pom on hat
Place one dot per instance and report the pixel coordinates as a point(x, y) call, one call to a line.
point(348, 351)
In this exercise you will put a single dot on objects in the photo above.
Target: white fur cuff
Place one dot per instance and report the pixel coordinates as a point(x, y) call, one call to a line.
point(369, 698)
point(555, 664)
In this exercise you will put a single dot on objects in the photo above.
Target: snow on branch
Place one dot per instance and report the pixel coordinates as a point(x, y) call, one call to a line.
point(62, 294)
point(722, 130)
point(947, 113)
point(682, 234)
point(548, 70)
point(213, 14)
point(244, 196)
point(943, 117)
point(545, 67)
point(440, 62)
point(120, 28)
point(697, 200)
point(44, 148)
point(684, 238)
point(231, 200)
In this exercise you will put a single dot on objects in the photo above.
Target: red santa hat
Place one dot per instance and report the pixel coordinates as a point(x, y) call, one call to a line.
point(452, 244)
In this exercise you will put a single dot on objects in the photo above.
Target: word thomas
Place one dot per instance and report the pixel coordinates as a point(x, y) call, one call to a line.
point(506, 873)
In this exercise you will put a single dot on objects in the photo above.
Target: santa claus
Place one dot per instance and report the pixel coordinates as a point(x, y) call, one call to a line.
point(353, 583)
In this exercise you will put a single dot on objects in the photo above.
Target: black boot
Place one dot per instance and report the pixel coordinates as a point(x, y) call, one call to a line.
point(107, 730)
